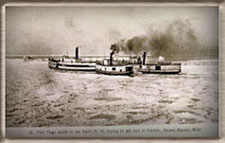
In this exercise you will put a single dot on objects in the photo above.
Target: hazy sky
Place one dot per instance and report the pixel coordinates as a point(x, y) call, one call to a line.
point(58, 30)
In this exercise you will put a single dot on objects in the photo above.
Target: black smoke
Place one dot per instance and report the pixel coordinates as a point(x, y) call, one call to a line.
point(176, 40)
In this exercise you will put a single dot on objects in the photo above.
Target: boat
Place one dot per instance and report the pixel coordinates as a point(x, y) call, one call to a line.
point(75, 64)
point(160, 67)
point(110, 67)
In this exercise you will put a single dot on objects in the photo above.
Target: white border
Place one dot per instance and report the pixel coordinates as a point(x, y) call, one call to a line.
point(111, 4)
point(220, 70)
point(3, 70)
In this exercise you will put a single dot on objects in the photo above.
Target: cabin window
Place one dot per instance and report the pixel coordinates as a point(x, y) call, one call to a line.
point(158, 67)
point(113, 68)
point(140, 66)
point(105, 68)
point(120, 70)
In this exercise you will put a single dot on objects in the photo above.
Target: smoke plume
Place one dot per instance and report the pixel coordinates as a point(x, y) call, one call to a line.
point(176, 39)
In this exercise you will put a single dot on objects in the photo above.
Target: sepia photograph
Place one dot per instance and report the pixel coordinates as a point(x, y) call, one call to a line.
point(111, 65)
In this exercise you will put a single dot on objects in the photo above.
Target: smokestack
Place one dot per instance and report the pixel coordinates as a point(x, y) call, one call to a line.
point(111, 58)
point(144, 58)
point(77, 53)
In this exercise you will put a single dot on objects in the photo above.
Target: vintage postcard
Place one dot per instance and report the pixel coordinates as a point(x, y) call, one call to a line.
point(111, 70)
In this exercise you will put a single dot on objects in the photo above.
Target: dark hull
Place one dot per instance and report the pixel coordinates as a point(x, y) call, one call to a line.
point(114, 73)
point(159, 72)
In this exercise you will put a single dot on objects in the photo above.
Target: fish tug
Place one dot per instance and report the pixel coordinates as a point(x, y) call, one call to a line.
point(114, 67)
point(111, 67)
point(160, 67)
point(71, 63)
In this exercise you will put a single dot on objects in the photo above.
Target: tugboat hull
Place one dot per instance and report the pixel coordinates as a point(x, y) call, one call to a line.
point(173, 68)
point(114, 70)
point(74, 64)
point(71, 66)
point(114, 73)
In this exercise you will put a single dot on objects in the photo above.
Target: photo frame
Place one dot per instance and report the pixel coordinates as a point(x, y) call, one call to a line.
point(55, 130)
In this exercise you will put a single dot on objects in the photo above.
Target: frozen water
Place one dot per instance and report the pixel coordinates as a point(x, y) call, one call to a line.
point(38, 96)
